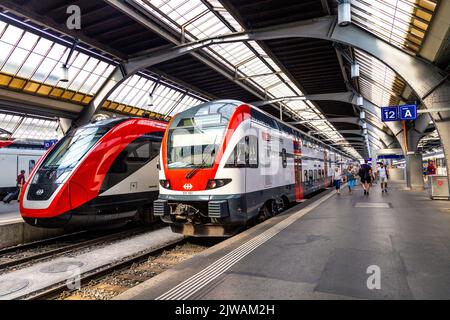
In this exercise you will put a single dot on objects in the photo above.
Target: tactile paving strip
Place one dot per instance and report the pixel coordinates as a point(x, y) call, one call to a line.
point(385, 205)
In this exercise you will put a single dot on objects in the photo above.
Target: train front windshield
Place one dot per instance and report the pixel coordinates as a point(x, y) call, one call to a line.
point(68, 152)
point(73, 148)
point(195, 135)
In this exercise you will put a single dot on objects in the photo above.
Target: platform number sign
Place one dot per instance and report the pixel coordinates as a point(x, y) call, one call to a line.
point(408, 112)
point(389, 114)
point(49, 143)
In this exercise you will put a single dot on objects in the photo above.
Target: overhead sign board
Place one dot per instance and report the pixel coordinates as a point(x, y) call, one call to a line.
point(396, 113)
point(408, 112)
point(389, 114)
point(49, 143)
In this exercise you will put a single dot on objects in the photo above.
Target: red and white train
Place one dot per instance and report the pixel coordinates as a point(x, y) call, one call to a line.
point(226, 164)
point(100, 173)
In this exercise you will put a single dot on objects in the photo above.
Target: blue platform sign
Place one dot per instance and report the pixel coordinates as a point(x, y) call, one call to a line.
point(49, 143)
point(389, 114)
point(408, 112)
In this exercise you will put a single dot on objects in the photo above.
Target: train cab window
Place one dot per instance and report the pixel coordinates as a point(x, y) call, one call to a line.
point(284, 158)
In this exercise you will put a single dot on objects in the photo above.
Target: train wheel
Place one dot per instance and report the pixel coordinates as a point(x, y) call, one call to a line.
point(264, 212)
point(274, 207)
point(285, 202)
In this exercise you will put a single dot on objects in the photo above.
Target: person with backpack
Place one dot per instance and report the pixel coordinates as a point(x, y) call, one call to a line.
point(365, 173)
point(383, 174)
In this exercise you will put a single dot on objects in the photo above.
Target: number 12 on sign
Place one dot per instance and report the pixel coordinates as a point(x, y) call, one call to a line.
point(389, 114)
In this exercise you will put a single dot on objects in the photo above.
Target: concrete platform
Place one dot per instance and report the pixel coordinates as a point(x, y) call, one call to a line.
point(331, 248)
point(9, 212)
point(14, 231)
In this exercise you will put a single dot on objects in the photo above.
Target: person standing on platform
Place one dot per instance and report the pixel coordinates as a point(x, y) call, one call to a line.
point(431, 169)
point(365, 173)
point(383, 174)
point(20, 183)
point(351, 179)
point(337, 175)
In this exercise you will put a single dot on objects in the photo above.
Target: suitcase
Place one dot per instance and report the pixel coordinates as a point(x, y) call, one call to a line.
point(11, 196)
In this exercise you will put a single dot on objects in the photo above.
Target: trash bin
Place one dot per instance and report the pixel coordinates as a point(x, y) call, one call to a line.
point(438, 187)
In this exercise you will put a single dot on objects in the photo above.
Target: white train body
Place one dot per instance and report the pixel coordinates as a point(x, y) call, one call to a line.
point(225, 164)
point(12, 161)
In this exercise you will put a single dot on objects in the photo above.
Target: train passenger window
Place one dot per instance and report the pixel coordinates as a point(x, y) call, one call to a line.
point(245, 154)
point(284, 158)
point(252, 152)
point(306, 175)
point(155, 148)
point(315, 174)
point(310, 174)
point(240, 154)
point(140, 152)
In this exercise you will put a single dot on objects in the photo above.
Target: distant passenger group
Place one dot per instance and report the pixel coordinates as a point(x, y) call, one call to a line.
point(366, 176)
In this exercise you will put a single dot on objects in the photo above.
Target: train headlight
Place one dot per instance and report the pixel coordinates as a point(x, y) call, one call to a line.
point(217, 183)
point(165, 184)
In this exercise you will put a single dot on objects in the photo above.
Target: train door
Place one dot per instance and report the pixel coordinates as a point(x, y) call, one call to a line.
point(8, 173)
point(26, 163)
point(298, 170)
point(266, 155)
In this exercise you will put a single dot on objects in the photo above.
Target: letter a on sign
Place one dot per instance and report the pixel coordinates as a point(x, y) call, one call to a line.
point(408, 112)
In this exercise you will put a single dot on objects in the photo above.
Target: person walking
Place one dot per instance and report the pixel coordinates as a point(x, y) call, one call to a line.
point(383, 174)
point(431, 169)
point(20, 183)
point(337, 175)
point(350, 179)
point(365, 173)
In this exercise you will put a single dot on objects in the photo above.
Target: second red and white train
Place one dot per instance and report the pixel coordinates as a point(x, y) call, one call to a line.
point(226, 164)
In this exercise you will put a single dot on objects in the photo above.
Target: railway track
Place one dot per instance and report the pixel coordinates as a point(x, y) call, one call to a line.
point(54, 291)
point(15, 257)
point(149, 263)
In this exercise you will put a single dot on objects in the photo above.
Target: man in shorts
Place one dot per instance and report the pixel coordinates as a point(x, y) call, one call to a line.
point(383, 174)
point(365, 173)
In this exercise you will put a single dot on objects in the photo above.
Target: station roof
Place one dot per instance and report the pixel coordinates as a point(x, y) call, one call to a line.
point(34, 34)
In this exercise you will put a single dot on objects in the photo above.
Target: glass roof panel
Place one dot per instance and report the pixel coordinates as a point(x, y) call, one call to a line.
point(32, 63)
point(195, 20)
point(22, 127)
point(400, 22)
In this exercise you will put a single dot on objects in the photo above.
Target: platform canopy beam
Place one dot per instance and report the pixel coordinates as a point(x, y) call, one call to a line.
point(428, 82)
